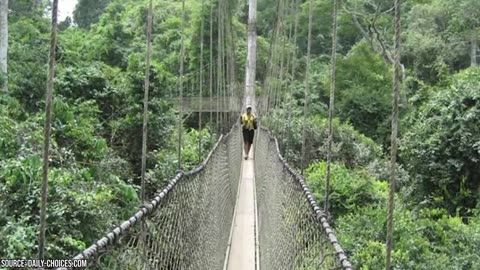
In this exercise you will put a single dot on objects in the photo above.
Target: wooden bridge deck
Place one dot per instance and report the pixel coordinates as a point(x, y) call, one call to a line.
point(242, 251)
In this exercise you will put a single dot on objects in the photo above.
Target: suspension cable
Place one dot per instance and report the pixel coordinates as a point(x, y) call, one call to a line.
point(332, 102)
point(211, 60)
point(250, 72)
point(278, 90)
point(148, 57)
point(393, 152)
point(180, 114)
point(271, 59)
point(230, 61)
point(295, 31)
point(282, 29)
point(222, 60)
point(307, 84)
point(47, 131)
point(219, 69)
point(201, 85)
point(294, 62)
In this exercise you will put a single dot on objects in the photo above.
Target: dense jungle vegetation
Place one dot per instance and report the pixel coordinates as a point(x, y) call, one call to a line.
point(96, 132)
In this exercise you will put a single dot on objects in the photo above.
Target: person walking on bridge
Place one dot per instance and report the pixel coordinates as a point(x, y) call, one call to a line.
point(249, 124)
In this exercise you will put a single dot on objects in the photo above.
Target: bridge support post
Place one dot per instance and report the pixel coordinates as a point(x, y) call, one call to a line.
point(251, 56)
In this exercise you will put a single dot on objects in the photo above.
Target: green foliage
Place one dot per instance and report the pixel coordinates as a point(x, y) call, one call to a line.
point(76, 127)
point(364, 92)
point(27, 72)
point(8, 140)
point(3, 79)
point(350, 147)
point(18, 237)
point(423, 238)
point(441, 148)
point(83, 184)
point(28, 8)
point(126, 132)
point(96, 137)
point(347, 34)
point(87, 12)
point(350, 189)
point(438, 37)
point(429, 239)
point(166, 159)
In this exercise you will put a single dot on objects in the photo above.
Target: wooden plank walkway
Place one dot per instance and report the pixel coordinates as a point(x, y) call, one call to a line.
point(243, 248)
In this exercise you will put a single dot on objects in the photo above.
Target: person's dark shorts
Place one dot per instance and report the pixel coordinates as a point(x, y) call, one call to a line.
point(248, 135)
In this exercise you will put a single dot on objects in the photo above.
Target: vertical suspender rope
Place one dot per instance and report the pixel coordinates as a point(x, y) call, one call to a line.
point(47, 131)
point(211, 62)
point(268, 78)
point(229, 81)
point(201, 85)
point(231, 64)
point(194, 81)
point(218, 70)
point(284, 59)
point(279, 85)
point(294, 62)
point(332, 102)
point(231, 61)
point(180, 114)
point(279, 75)
point(275, 54)
point(393, 153)
point(305, 106)
point(225, 68)
point(222, 60)
point(237, 85)
point(295, 30)
point(251, 55)
point(291, 10)
point(217, 97)
point(146, 87)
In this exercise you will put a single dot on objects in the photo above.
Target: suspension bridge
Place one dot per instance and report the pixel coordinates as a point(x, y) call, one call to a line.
point(228, 213)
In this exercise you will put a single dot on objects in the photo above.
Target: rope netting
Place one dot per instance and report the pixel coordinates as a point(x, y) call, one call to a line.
point(293, 231)
point(187, 225)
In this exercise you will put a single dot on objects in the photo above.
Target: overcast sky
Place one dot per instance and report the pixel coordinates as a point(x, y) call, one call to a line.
point(65, 8)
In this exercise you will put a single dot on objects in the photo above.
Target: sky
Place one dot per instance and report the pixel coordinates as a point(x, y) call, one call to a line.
point(65, 8)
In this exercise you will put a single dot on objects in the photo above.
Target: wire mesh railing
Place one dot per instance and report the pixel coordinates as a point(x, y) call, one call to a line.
point(293, 231)
point(186, 226)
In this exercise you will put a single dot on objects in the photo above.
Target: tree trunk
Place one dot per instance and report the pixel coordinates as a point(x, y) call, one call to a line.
point(474, 46)
point(376, 42)
point(251, 56)
point(3, 42)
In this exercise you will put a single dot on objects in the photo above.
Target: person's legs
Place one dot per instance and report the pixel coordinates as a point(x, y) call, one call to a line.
point(245, 142)
point(250, 141)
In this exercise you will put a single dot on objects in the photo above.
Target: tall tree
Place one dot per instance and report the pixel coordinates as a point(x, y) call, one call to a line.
point(251, 55)
point(88, 12)
point(3, 43)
